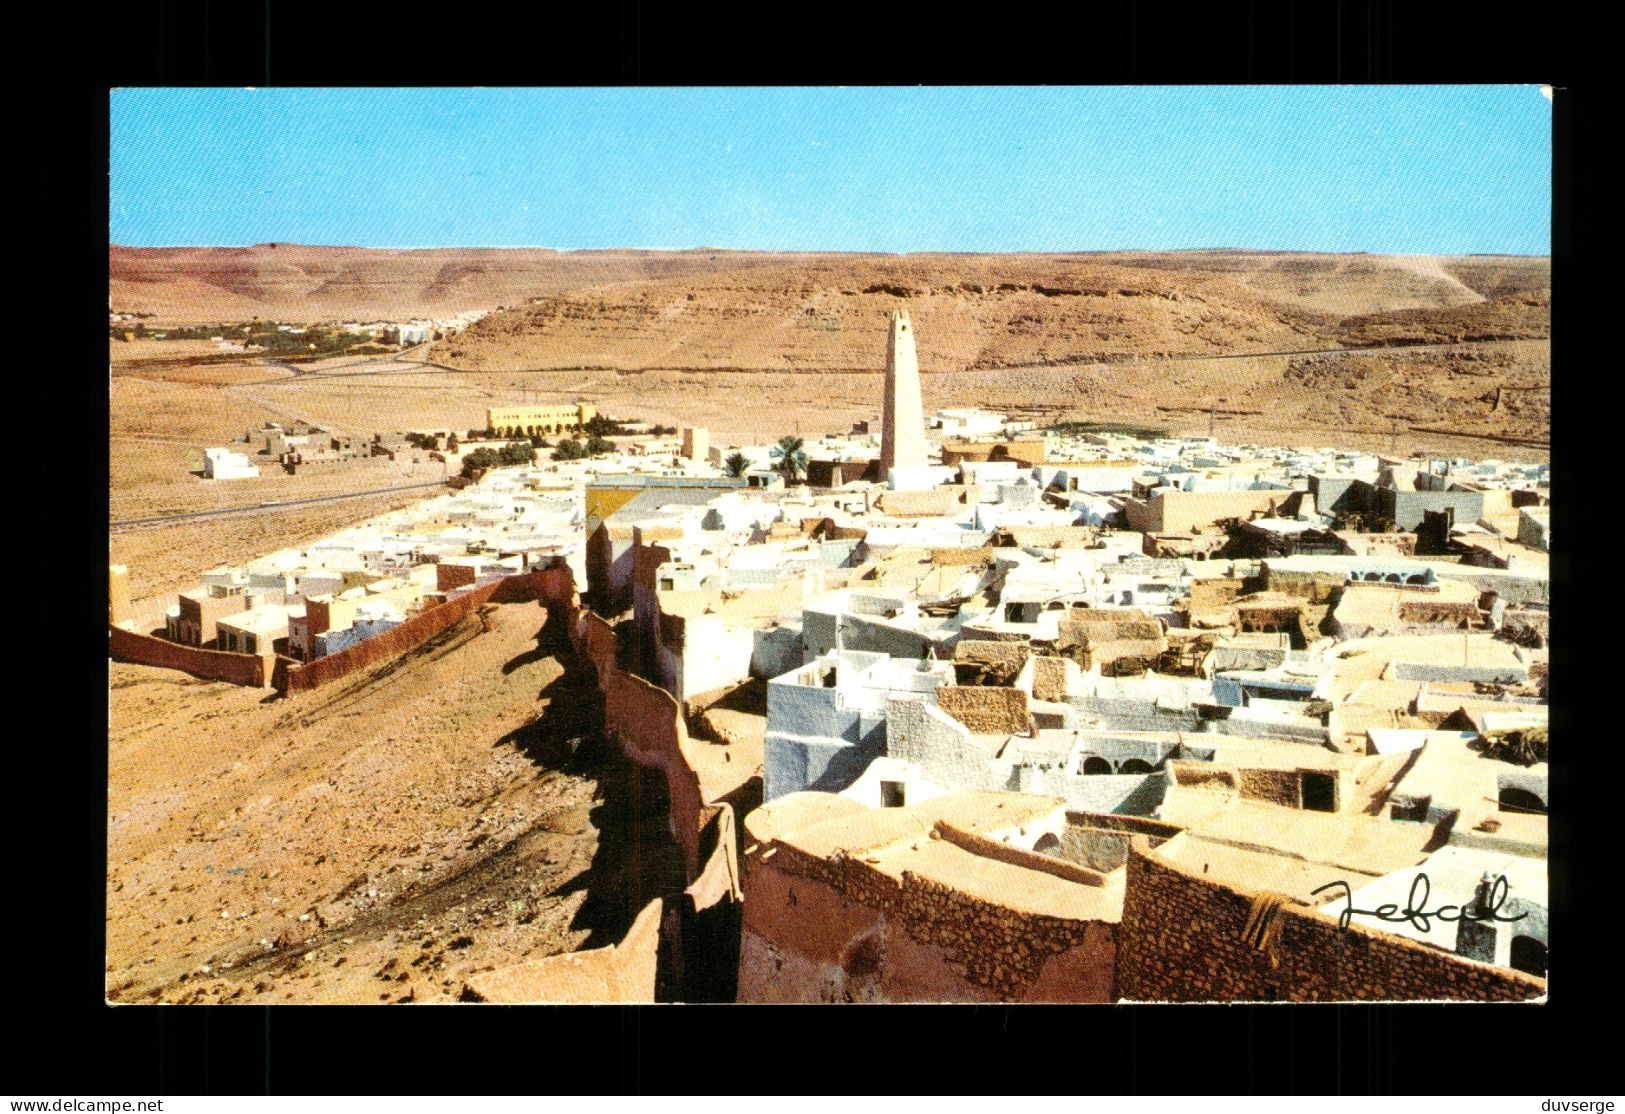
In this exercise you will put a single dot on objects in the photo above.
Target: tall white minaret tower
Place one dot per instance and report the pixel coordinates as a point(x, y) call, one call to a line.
point(902, 441)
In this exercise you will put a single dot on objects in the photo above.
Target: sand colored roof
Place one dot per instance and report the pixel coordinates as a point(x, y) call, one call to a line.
point(920, 504)
point(898, 841)
point(1318, 847)
point(969, 810)
point(1452, 774)
point(1270, 754)
point(1001, 883)
point(1366, 658)
point(260, 620)
point(1376, 605)
point(1255, 869)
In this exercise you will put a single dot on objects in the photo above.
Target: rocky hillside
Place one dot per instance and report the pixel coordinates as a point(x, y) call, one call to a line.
point(302, 283)
point(991, 311)
point(822, 315)
point(1520, 316)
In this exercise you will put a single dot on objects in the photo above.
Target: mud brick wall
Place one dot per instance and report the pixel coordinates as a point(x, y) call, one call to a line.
point(670, 939)
point(1269, 617)
point(623, 972)
point(1213, 595)
point(987, 710)
point(703, 921)
point(987, 848)
point(999, 662)
point(547, 585)
point(982, 557)
point(840, 930)
point(391, 643)
point(1442, 612)
point(918, 504)
point(1049, 679)
point(1316, 587)
point(1278, 787)
point(645, 721)
point(448, 576)
point(251, 670)
point(1181, 941)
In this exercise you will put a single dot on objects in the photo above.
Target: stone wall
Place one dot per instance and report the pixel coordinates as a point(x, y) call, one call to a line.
point(1443, 613)
point(1210, 594)
point(1049, 679)
point(987, 710)
point(1181, 941)
point(251, 670)
point(841, 931)
point(998, 662)
point(1279, 787)
point(1315, 587)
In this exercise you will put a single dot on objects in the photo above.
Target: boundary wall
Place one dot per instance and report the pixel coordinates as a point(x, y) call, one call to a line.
point(544, 585)
point(251, 670)
point(700, 926)
point(1182, 939)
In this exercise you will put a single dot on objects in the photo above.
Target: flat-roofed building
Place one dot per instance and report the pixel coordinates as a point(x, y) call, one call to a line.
point(549, 418)
point(254, 631)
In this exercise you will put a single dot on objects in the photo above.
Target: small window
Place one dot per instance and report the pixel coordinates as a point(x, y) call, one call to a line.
point(1319, 792)
point(891, 794)
point(1528, 956)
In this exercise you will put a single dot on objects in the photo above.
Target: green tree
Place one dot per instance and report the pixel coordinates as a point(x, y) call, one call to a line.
point(600, 425)
point(597, 445)
point(737, 464)
point(569, 450)
point(789, 457)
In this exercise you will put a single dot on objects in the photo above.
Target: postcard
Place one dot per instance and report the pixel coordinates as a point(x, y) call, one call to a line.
point(829, 545)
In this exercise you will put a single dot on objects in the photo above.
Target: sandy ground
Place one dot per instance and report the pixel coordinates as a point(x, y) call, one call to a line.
point(378, 840)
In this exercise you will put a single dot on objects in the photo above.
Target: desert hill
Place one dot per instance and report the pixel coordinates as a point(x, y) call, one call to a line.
point(1281, 347)
point(969, 311)
point(992, 311)
point(303, 283)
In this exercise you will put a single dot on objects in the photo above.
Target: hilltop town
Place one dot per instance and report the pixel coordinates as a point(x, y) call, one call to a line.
point(965, 705)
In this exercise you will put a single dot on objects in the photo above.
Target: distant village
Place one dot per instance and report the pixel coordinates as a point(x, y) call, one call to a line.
point(1074, 714)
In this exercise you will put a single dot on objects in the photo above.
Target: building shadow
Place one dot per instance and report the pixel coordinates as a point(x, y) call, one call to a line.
point(637, 859)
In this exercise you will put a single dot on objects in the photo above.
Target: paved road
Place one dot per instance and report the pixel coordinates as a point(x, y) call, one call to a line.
point(271, 507)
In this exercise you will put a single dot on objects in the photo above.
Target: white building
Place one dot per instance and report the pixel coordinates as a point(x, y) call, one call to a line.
point(224, 464)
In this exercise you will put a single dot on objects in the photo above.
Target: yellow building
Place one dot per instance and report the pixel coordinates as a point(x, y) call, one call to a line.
point(556, 418)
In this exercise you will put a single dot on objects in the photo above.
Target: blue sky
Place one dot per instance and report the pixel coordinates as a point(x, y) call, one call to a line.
point(1429, 169)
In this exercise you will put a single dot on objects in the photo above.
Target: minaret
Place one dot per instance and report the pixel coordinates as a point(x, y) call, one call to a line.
point(902, 441)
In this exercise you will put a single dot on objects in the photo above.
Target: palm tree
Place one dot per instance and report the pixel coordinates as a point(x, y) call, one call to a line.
point(737, 464)
point(792, 461)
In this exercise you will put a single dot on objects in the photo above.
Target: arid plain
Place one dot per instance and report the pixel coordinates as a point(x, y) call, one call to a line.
point(454, 811)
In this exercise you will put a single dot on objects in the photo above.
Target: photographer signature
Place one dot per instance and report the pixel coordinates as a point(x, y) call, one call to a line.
point(1415, 910)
